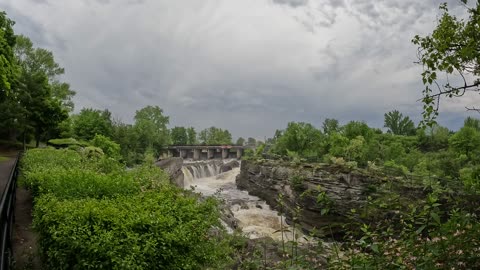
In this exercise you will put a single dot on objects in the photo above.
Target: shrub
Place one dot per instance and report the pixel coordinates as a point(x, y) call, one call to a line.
point(109, 147)
point(154, 230)
point(90, 213)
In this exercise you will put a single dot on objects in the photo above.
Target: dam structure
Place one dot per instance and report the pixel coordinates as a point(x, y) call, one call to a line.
point(203, 152)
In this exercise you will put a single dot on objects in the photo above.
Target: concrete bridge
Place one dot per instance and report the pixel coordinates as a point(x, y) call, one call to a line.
point(203, 152)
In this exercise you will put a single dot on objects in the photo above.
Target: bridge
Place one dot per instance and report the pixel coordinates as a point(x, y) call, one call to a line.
point(203, 152)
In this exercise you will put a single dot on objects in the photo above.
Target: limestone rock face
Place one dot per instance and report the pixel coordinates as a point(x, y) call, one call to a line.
point(312, 188)
point(229, 166)
point(173, 167)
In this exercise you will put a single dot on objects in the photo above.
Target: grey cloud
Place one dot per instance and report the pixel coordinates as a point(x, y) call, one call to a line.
point(218, 63)
point(292, 3)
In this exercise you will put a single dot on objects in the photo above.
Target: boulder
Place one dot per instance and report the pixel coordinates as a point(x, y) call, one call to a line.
point(229, 166)
point(173, 167)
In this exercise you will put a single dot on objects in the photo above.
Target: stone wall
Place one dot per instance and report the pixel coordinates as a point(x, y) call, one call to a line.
point(324, 193)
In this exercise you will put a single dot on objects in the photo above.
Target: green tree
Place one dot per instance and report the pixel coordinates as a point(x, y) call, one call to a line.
point(90, 122)
point(109, 147)
point(151, 127)
point(240, 141)
point(8, 68)
point(41, 105)
point(251, 141)
point(399, 124)
point(354, 129)
point(452, 49)
point(179, 136)
point(330, 125)
point(302, 138)
point(214, 135)
point(192, 136)
point(466, 141)
point(472, 122)
point(433, 138)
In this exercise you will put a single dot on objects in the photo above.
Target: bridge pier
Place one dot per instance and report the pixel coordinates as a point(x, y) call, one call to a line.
point(196, 154)
point(239, 153)
point(183, 153)
point(210, 153)
point(225, 153)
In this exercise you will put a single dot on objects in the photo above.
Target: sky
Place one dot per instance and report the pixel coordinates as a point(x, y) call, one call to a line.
point(250, 66)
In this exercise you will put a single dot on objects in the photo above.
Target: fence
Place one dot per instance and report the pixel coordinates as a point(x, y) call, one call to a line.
point(7, 217)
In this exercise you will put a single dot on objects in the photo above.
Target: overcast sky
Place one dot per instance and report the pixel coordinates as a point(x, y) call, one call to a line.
point(250, 66)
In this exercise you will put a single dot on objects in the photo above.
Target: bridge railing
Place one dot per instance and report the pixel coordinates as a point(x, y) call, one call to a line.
point(7, 217)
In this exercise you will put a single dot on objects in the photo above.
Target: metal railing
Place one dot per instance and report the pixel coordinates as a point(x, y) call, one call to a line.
point(7, 217)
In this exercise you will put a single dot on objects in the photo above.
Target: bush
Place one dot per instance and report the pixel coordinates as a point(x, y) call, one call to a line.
point(66, 142)
point(90, 213)
point(154, 230)
point(109, 147)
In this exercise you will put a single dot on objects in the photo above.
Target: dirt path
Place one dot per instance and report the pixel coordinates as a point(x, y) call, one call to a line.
point(24, 238)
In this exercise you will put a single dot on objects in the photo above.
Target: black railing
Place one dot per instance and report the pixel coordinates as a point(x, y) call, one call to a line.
point(7, 217)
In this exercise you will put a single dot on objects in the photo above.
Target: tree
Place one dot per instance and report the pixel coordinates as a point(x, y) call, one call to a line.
point(192, 136)
point(215, 135)
point(151, 127)
point(36, 105)
point(330, 125)
point(8, 68)
point(466, 141)
point(302, 138)
point(472, 122)
point(452, 49)
point(433, 138)
point(179, 136)
point(90, 122)
point(399, 124)
point(240, 141)
point(251, 141)
point(354, 129)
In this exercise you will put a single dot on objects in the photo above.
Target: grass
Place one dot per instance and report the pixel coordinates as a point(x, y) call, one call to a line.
point(2, 158)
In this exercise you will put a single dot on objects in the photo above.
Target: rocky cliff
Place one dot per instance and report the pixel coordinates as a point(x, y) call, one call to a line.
point(173, 167)
point(322, 196)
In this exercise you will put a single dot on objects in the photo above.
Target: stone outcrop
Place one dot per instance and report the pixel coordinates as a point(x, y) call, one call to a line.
point(326, 194)
point(229, 166)
point(173, 167)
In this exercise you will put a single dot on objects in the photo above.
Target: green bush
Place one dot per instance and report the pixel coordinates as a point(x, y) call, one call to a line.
point(154, 230)
point(66, 142)
point(91, 213)
point(109, 147)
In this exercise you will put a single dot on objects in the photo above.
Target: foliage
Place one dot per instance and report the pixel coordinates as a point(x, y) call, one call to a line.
point(8, 69)
point(399, 124)
point(302, 138)
point(466, 141)
point(192, 136)
point(179, 136)
point(90, 122)
point(330, 126)
point(154, 230)
point(214, 136)
point(151, 128)
point(66, 142)
point(354, 129)
point(109, 147)
point(91, 213)
point(240, 141)
point(452, 48)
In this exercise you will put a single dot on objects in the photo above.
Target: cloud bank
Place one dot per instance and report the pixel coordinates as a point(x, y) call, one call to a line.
point(249, 66)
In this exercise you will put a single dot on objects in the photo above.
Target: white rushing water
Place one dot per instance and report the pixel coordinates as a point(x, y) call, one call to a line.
point(256, 218)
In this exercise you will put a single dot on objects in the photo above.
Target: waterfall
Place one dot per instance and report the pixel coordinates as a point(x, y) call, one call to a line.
point(255, 217)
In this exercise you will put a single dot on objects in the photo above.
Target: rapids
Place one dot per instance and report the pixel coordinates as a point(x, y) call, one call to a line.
point(256, 218)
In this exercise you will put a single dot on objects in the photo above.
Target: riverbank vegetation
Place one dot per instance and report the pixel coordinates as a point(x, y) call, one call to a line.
point(90, 213)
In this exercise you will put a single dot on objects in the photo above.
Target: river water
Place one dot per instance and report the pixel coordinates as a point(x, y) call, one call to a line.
point(255, 216)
